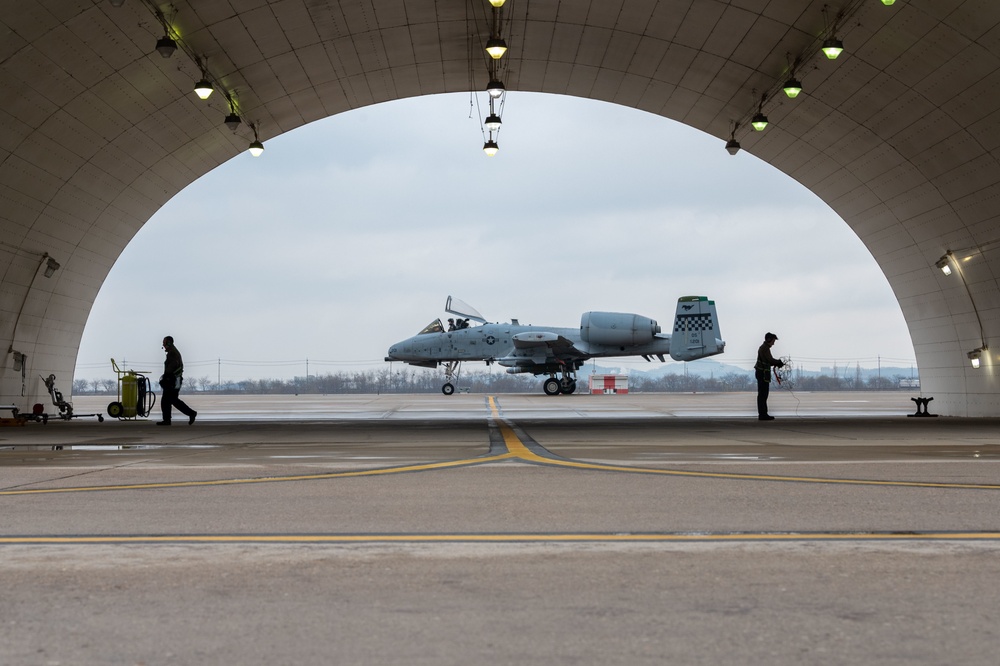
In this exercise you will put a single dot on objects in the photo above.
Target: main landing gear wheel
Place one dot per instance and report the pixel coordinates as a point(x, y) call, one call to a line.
point(552, 386)
point(448, 389)
point(567, 386)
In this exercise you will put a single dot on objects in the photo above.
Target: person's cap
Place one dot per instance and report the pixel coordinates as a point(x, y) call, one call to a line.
point(770, 336)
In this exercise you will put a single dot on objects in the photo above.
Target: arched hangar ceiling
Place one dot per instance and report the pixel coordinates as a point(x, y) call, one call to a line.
point(899, 135)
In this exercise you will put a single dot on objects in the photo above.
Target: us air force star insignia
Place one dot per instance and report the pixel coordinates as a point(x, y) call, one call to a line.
point(490, 339)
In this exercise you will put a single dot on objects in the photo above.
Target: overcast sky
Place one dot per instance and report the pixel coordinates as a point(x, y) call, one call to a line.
point(348, 235)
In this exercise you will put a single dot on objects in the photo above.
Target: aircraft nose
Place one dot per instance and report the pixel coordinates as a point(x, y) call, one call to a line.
point(394, 353)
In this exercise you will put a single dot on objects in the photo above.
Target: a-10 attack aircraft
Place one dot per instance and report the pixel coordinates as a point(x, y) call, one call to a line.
point(546, 350)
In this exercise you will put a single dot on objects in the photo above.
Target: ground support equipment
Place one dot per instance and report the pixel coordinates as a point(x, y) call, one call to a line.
point(135, 395)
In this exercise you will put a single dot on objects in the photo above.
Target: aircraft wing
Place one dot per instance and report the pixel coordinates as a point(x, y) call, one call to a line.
point(539, 347)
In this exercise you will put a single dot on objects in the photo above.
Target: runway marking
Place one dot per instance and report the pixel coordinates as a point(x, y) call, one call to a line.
point(516, 446)
point(759, 537)
point(263, 479)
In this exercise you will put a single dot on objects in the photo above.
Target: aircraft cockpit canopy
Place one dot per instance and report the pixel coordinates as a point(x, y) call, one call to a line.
point(434, 327)
point(462, 309)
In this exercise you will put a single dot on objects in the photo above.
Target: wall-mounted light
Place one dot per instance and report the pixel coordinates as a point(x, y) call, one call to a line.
point(499, 3)
point(51, 266)
point(944, 263)
point(491, 148)
point(888, 3)
point(496, 47)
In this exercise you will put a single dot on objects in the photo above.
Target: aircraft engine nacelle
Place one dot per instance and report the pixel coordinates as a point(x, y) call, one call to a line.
point(617, 328)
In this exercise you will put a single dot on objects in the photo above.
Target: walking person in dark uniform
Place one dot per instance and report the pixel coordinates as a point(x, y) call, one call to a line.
point(762, 370)
point(170, 382)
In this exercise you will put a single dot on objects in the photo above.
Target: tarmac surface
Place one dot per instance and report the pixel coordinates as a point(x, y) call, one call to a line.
point(501, 529)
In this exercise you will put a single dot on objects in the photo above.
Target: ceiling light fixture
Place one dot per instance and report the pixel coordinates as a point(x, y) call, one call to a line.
point(496, 47)
point(792, 88)
point(944, 263)
point(833, 47)
point(495, 88)
point(759, 121)
point(204, 88)
point(117, 3)
point(256, 148)
point(888, 3)
point(166, 46)
point(233, 121)
point(733, 146)
point(974, 356)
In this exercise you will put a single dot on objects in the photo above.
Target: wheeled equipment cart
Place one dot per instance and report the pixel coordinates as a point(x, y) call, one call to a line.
point(135, 395)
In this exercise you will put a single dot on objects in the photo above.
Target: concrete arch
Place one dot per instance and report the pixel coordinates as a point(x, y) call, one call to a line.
point(899, 135)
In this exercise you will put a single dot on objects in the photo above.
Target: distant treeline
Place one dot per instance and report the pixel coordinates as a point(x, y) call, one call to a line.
point(479, 381)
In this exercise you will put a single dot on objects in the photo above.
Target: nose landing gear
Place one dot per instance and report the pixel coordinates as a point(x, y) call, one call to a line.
point(451, 371)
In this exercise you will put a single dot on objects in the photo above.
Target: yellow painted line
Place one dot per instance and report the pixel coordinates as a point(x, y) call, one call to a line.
point(505, 538)
point(768, 477)
point(518, 449)
point(265, 479)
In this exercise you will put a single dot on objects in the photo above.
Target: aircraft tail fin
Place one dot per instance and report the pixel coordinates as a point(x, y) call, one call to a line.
point(696, 330)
